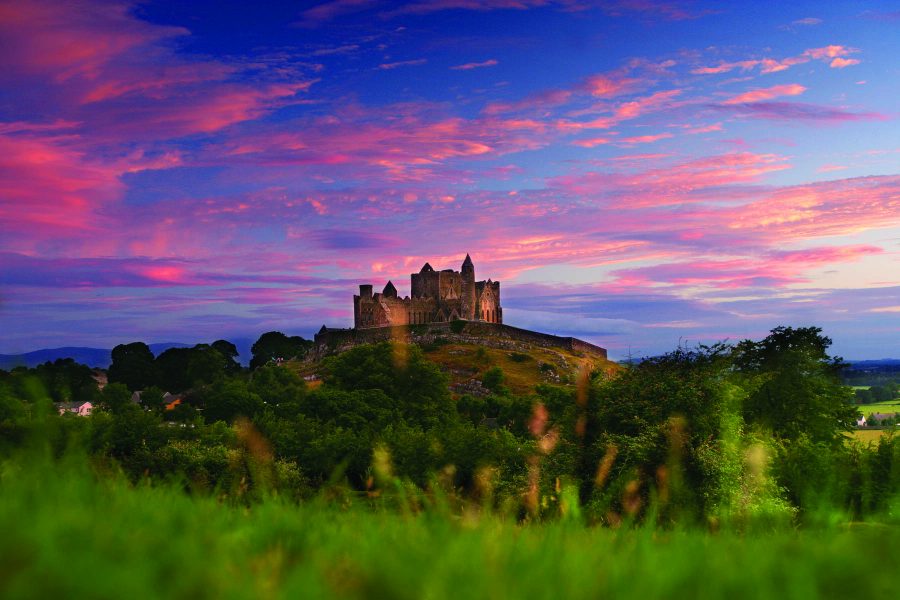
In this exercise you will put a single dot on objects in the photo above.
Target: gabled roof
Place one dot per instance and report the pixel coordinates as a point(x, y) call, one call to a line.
point(426, 268)
point(389, 290)
point(71, 405)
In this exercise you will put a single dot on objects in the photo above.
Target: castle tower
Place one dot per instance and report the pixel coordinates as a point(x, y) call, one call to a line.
point(467, 296)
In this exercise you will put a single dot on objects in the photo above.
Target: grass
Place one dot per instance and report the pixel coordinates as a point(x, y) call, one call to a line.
point(520, 375)
point(869, 435)
point(67, 533)
point(521, 369)
point(880, 407)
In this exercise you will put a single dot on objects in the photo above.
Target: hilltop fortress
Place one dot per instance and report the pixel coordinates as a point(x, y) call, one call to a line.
point(448, 306)
point(435, 297)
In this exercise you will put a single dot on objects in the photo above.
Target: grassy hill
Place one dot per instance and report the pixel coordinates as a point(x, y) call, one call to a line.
point(524, 366)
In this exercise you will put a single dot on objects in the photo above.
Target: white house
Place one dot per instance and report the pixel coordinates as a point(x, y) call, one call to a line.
point(82, 409)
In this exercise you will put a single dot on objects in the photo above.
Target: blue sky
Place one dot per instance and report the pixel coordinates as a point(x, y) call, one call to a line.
point(635, 172)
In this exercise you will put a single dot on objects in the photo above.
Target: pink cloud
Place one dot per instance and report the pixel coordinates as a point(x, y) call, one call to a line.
point(645, 139)
point(827, 52)
point(842, 207)
point(770, 65)
point(476, 65)
point(840, 63)
point(71, 39)
point(744, 65)
point(791, 89)
point(674, 184)
point(609, 86)
point(49, 188)
point(706, 128)
point(635, 108)
point(774, 269)
point(592, 142)
point(798, 112)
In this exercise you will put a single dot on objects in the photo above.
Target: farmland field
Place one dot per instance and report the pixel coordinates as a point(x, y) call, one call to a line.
point(869, 435)
point(70, 534)
point(880, 407)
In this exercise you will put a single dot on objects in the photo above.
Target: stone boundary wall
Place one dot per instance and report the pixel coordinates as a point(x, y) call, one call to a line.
point(331, 341)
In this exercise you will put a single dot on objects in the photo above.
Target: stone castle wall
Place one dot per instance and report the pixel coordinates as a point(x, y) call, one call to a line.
point(435, 297)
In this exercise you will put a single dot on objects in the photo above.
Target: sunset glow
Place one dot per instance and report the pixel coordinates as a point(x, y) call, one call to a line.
point(635, 172)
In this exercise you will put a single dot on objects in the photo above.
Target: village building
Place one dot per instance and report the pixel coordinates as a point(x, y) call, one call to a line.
point(82, 409)
point(435, 297)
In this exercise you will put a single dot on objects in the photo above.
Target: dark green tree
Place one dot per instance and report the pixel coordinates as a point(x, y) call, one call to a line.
point(206, 365)
point(281, 389)
point(152, 399)
point(229, 353)
point(493, 380)
point(172, 369)
point(795, 386)
point(133, 365)
point(68, 381)
point(274, 345)
point(417, 386)
point(229, 399)
point(116, 398)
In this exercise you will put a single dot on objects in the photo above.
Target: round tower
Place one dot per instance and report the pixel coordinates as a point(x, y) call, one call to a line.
point(467, 296)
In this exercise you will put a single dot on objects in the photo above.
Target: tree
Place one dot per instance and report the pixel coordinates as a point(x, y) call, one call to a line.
point(230, 353)
point(172, 369)
point(416, 385)
point(183, 368)
point(493, 380)
point(116, 398)
point(205, 365)
point(230, 399)
point(275, 345)
point(795, 386)
point(133, 364)
point(68, 381)
point(152, 399)
point(282, 389)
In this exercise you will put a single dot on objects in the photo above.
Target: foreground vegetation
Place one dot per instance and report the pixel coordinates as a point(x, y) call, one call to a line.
point(69, 532)
point(707, 471)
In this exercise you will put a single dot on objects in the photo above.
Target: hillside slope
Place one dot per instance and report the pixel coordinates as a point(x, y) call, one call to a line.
point(524, 365)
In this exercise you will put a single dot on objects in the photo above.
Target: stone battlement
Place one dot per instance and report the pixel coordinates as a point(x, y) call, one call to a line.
point(435, 297)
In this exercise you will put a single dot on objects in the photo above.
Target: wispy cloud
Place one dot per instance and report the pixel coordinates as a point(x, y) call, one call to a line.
point(791, 89)
point(476, 65)
point(402, 63)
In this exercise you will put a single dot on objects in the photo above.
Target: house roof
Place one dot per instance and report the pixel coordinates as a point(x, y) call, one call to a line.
point(70, 405)
point(882, 416)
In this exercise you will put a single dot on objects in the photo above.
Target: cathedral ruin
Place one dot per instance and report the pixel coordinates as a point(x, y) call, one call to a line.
point(435, 297)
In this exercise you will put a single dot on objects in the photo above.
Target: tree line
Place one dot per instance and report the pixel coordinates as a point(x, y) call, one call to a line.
point(755, 429)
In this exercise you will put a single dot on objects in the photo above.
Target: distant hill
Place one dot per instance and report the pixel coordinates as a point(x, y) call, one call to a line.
point(871, 364)
point(93, 357)
point(101, 357)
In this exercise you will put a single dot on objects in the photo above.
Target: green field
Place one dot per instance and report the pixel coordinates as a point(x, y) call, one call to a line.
point(880, 407)
point(869, 435)
point(68, 534)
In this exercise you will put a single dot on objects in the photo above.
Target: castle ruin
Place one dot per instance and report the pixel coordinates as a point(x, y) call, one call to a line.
point(435, 297)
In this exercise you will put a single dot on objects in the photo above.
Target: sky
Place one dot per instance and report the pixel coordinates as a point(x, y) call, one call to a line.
point(637, 173)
